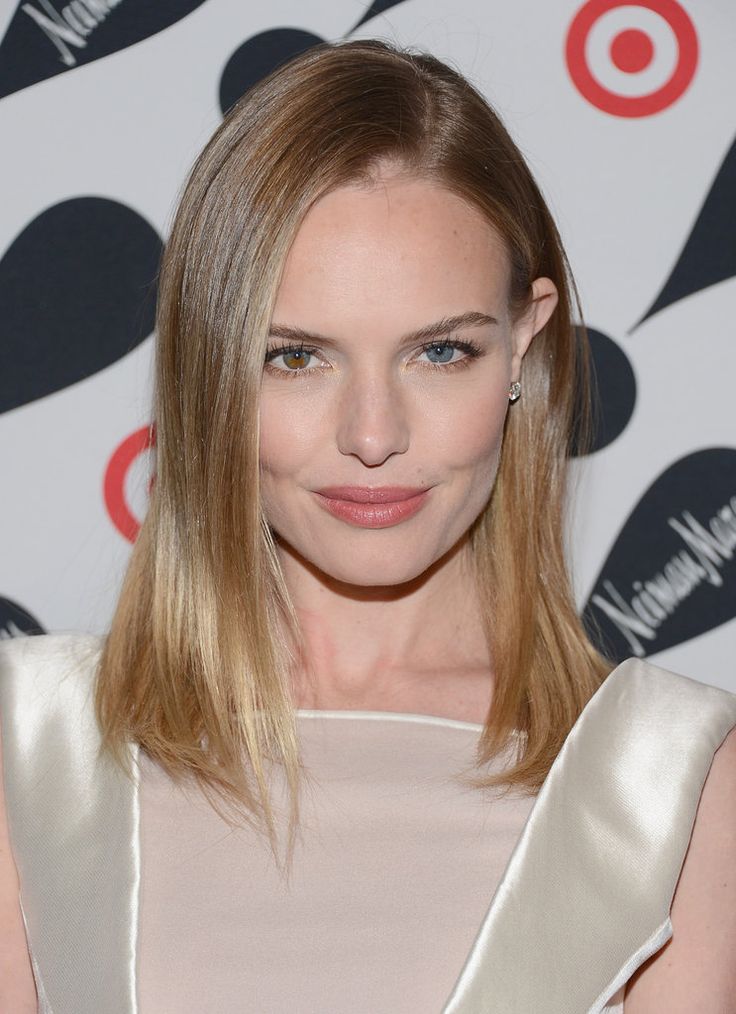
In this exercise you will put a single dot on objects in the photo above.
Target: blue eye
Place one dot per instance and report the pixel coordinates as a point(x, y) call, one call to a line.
point(445, 350)
point(296, 357)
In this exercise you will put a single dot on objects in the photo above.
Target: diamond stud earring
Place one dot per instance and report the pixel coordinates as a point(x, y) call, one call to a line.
point(514, 390)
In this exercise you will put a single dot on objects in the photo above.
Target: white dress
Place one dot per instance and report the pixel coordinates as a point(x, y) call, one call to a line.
point(391, 878)
point(410, 892)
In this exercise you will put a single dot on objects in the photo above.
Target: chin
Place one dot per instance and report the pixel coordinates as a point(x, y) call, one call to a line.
point(376, 569)
point(373, 569)
point(378, 576)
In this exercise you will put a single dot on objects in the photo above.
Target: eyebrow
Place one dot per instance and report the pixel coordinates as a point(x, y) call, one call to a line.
point(439, 329)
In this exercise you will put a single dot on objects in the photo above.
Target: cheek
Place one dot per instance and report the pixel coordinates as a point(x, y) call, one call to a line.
point(289, 438)
point(470, 431)
point(288, 431)
point(472, 441)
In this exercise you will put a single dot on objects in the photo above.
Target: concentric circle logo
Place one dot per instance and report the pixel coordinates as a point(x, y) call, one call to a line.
point(123, 478)
point(631, 59)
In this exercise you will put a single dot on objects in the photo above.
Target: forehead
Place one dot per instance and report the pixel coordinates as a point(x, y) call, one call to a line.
point(398, 248)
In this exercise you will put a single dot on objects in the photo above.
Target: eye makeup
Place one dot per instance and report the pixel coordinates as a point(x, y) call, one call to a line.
point(470, 349)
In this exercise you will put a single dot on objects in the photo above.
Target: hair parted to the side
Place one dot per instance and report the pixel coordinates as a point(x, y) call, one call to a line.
point(195, 667)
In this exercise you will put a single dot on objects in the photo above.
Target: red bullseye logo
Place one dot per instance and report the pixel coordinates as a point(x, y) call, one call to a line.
point(117, 481)
point(631, 59)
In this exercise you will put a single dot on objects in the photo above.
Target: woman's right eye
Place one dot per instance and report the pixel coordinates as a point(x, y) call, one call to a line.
point(295, 358)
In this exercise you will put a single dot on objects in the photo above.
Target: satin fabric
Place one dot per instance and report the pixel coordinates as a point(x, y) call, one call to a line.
point(586, 896)
point(583, 902)
point(73, 821)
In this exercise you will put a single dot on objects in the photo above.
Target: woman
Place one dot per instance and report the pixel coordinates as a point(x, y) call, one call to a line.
point(351, 581)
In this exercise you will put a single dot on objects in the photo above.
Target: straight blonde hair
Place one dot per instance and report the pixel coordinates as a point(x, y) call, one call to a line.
point(196, 665)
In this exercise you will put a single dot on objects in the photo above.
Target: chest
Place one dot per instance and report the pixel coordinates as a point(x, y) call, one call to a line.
point(395, 868)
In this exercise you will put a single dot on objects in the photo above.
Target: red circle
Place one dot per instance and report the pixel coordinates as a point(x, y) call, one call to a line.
point(631, 105)
point(632, 50)
point(114, 481)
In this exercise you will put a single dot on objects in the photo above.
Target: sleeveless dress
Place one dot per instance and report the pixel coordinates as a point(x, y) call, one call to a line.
point(410, 892)
point(392, 843)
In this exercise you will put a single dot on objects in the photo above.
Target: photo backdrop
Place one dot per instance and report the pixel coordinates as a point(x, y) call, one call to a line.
point(625, 114)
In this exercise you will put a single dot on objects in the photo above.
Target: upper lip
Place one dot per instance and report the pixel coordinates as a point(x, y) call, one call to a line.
point(368, 494)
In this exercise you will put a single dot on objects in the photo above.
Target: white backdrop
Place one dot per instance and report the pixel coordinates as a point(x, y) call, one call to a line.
point(622, 113)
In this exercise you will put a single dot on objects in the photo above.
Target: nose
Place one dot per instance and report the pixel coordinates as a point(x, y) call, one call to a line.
point(372, 420)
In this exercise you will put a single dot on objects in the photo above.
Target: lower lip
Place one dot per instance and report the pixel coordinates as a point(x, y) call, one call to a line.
point(374, 515)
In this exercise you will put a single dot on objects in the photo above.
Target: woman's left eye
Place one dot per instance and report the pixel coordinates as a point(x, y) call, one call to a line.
point(445, 351)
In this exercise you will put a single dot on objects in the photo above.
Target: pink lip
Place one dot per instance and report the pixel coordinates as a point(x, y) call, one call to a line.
point(368, 494)
point(396, 504)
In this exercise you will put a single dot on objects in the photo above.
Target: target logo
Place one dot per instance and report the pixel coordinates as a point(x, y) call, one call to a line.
point(631, 59)
point(127, 482)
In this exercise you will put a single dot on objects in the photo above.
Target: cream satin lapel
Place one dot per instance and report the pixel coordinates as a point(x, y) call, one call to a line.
point(74, 825)
point(586, 895)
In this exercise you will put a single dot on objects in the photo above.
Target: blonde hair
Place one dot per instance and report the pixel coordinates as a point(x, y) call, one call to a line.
point(196, 665)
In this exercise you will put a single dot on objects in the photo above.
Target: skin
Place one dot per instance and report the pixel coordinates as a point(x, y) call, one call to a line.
point(695, 971)
point(390, 617)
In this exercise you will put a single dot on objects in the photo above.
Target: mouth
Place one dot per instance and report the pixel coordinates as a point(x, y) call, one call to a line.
point(380, 507)
point(371, 494)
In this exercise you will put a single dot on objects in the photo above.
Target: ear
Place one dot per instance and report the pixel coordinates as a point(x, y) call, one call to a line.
point(544, 300)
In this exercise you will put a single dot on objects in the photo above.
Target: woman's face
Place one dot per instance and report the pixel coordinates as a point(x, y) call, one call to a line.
point(356, 401)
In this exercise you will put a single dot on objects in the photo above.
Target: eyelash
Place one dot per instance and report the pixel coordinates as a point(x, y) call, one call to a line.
point(471, 350)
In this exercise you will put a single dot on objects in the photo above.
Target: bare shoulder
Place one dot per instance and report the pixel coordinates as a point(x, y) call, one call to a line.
point(17, 988)
point(696, 970)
